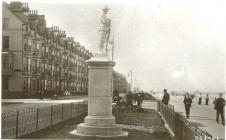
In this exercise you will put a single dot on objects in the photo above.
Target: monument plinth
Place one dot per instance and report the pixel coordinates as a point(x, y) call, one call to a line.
point(100, 122)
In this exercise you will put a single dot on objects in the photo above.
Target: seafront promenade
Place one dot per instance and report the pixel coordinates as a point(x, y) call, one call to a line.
point(203, 116)
point(16, 104)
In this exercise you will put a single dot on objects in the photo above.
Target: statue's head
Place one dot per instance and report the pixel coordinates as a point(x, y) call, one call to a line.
point(105, 10)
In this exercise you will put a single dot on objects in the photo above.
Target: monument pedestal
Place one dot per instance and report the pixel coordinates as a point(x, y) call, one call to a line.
point(100, 123)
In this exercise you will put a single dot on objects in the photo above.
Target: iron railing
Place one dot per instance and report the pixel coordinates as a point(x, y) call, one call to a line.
point(179, 125)
point(27, 120)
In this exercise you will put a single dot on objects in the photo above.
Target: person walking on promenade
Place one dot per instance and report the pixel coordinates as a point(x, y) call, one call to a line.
point(207, 99)
point(166, 97)
point(187, 104)
point(200, 99)
point(219, 106)
point(214, 102)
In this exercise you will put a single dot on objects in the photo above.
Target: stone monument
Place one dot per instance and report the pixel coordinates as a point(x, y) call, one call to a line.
point(100, 123)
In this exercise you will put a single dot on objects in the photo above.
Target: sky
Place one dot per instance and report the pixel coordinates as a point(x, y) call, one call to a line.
point(176, 44)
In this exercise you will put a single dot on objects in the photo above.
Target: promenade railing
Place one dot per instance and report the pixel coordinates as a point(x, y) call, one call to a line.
point(25, 121)
point(182, 129)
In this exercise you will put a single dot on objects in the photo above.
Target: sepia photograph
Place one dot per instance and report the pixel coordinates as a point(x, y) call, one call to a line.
point(113, 70)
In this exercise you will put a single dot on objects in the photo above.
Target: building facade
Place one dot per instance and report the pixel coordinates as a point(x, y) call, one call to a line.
point(120, 83)
point(39, 61)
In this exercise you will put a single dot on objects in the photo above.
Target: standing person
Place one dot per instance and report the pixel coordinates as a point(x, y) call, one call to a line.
point(200, 99)
point(207, 99)
point(166, 97)
point(187, 104)
point(129, 99)
point(219, 106)
point(138, 99)
point(214, 102)
point(141, 98)
point(115, 94)
point(135, 97)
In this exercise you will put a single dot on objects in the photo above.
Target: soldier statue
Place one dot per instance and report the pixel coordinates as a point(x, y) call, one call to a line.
point(105, 30)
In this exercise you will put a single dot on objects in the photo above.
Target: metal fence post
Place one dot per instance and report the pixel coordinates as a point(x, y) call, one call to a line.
point(62, 111)
point(158, 105)
point(37, 119)
point(78, 109)
point(71, 109)
point(17, 122)
point(51, 119)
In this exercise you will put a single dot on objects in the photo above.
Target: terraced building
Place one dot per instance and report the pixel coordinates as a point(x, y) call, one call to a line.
point(39, 61)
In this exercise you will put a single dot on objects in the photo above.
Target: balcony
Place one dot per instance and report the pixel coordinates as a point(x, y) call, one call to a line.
point(7, 69)
point(66, 75)
point(57, 74)
point(45, 74)
point(65, 63)
point(36, 52)
point(27, 33)
point(65, 52)
point(62, 77)
point(71, 67)
point(7, 63)
point(71, 77)
point(56, 60)
point(51, 58)
point(36, 71)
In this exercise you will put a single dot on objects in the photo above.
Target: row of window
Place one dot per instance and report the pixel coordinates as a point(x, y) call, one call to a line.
point(36, 47)
point(34, 84)
point(36, 50)
point(30, 65)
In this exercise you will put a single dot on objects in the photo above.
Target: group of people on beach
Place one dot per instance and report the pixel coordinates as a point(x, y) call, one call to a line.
point(219, 104)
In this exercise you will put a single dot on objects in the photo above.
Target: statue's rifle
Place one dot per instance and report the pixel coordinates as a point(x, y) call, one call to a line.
point(107, 38)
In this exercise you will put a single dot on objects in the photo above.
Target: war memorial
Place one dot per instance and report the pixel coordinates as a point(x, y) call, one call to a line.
point(53, 87)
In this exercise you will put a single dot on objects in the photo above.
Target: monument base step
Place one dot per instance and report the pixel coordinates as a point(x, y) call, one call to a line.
point(100, 121)
point(102, 133)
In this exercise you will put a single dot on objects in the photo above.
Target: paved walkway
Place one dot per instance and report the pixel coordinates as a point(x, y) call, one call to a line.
point(59, 100)
point(148, 104)
point(205, 115)
point(16, 104)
